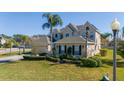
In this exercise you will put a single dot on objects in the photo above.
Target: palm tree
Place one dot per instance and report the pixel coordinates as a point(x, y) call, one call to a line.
point(25, 39)
point(53, 20)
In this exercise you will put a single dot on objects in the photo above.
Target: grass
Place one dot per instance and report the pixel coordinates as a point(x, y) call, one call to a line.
point(44, 70)
point(109, 55)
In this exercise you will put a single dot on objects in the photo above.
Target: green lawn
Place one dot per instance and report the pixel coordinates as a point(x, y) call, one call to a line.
point(44, 70)
point(109, 55)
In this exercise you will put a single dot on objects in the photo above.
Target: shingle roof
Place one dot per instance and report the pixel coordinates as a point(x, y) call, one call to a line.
point(73, 40)
point(40, 41)
point(96, 29)
point(73, 27)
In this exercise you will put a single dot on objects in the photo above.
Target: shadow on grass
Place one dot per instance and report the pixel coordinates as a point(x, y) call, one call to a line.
point(120, 53)
point(50, 63)
point(110, 62)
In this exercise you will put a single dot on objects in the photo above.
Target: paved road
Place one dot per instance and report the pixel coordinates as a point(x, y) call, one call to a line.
point(11, 58)
point(7, 50)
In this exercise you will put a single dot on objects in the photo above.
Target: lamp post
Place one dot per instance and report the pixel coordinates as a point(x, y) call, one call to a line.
point(115, 28)
point(86, 54)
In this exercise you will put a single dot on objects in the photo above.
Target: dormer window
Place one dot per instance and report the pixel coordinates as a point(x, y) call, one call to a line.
point(67, 35)
point(56, 35)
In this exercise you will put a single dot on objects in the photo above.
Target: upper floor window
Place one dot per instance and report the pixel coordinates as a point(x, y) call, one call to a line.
point(84, 34)
point(67, 35)
point(92, 35)
point(56, 35)
point(61, 36)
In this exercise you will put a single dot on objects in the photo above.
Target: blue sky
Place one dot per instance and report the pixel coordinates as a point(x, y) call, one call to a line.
point(30, 23)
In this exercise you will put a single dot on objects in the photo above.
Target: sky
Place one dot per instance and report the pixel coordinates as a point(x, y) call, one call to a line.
point(30, 23)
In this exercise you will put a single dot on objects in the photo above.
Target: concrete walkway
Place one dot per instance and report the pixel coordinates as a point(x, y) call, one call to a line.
point(11, 58)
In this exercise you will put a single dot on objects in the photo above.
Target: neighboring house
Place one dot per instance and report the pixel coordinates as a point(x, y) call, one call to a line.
point(106, 42)
point(40, 44)
point(74, 37)
point(2, 41)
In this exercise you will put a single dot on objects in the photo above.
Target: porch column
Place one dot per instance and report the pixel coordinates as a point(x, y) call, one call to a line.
point(65, 49)
point(80, 50)
point(59, 49)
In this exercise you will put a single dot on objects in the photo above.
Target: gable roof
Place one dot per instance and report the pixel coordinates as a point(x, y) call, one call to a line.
point(73, 40)
point(94, 27)
point(76, 28)
point(73, 27)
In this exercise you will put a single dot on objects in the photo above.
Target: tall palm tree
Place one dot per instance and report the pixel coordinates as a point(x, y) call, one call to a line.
point(53, 20)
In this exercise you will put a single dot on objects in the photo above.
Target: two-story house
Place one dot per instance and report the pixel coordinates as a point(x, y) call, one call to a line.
point(73, 37)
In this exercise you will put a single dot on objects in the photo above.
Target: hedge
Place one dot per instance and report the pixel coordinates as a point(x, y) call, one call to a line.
point(52, 59)
point(88, 62)
point(32, 57)
point(98, 60)
point(103, 52)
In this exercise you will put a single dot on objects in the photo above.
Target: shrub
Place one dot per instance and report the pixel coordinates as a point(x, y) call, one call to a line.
point(67, 61)
point(103, 52)
point(71, 61)
point(64, 56)
point(71, 58)
point(53, 59)
point(98, 55)
point(88, 62)
point(98, 60)
point(122, 51)
point(32, 57)
point(42, 54)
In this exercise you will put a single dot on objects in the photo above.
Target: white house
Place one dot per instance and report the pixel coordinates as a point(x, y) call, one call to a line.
point(70, 37)
point(2, 40)
point(74, 36)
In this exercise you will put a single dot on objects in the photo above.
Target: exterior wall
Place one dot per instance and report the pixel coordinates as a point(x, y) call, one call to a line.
point(93, 35)
point(40, 49)
point(97, 43)
point(40, 45)
point(66, 32)
point(91, 32)
point(91, 51)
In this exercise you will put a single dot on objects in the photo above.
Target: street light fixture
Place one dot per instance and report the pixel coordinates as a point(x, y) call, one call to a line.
point(115, 28)
point(87, 34)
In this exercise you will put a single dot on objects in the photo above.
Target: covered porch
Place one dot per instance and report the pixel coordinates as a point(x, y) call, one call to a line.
point(72, 46)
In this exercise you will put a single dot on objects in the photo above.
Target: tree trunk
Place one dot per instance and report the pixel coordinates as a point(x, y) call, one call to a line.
point(24, 48)
point(10, 50)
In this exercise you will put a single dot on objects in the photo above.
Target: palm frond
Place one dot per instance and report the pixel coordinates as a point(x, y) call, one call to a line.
point(46, 25)
point(46, 15)
point(57, 20)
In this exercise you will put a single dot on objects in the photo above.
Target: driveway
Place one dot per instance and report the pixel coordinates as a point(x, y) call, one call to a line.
point(11, 58)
